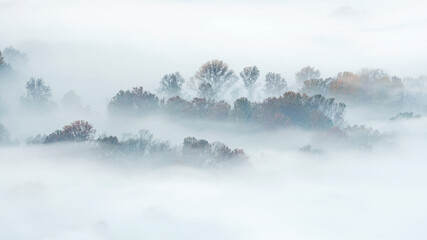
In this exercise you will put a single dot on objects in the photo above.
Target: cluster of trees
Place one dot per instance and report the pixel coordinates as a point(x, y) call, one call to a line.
point(215, 78)
point(14, 56)
point(143, 145)
point(369, 86)
point(405, 115)
point(10, 56)
point(134, 101)
point(357, 135)
point(78, 131)
point(38, 96)
point(290, 109)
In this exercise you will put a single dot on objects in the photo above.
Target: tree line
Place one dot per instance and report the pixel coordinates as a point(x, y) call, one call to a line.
point(143, 145)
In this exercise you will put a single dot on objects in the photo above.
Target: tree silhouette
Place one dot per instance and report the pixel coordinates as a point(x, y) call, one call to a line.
point(275, 84)
point(171, 84)
point(306, 73)
point(249, 76)
point(214, 78)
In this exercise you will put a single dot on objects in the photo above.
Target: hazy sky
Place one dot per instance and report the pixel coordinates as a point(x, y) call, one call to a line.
point(127, 43)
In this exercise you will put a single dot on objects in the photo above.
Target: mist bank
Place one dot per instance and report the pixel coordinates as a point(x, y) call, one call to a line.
point(48, 194)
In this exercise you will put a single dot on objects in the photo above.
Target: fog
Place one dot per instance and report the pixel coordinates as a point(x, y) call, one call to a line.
point(282, 194)
point(342, 158)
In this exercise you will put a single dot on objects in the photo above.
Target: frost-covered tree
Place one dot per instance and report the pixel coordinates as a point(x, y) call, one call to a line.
point(275, 84)
point(214, 78)
point(306, 73)
point(38, 93)
point(249, 76)
point(171, 84)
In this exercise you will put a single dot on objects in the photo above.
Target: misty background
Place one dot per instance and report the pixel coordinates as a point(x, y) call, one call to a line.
point(119, 44)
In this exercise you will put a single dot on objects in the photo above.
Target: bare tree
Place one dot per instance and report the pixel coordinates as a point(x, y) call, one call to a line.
point(306, 73)
point(249, 76)
point(275, 84)
point(171, 84)
point(218, 75)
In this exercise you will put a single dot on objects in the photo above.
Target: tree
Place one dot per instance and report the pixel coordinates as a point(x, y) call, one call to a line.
point(78, 131)
point(72, 101)
point(275, 84)
point(306, 73)
point(212, 154)
point(317, 86)
point(38, 93)
point(2, 62)
point(135, 101)
point(216, 77)
point(206, 90)
point(242, 109)
point(4, 135)
point(14, 56)
point(3, 65)
point(171, 84)
point(249, 76)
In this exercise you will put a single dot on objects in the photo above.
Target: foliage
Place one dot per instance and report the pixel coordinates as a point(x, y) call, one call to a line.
point(306, 73)
point(214, 78)
point(38, 93)
point(4, 135)
point(199, 107)
point(210, 154)
point(275, 84)
point(2, 62)
point(193, 151)
point(13, 55)
point(290, 109)
point(78, 131)
point(316, 86)
point(369, 86)
point(171, 84)
point(242, 110)
point(38, 139)
point(135, 101)
point(362, 135)
point(249, 76)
